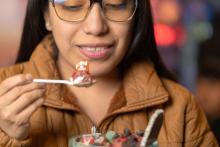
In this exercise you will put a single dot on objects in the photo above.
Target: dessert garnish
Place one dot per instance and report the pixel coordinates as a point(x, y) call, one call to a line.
point(81, 77)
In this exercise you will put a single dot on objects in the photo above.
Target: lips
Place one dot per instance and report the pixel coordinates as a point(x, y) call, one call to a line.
point(96, 51)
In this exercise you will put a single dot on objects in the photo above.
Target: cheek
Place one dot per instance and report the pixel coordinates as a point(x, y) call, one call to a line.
point(62, 31)
point(123, 35)
point(61, 35)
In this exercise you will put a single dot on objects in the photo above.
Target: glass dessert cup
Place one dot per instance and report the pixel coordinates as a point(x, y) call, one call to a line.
point(99, 140)
point(146, 138)
point(110, 139)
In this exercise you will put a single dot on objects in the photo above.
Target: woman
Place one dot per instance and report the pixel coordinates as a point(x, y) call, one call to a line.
point(116, 38)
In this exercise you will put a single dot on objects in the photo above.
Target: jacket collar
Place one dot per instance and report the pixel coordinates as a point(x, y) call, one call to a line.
point(142, 86)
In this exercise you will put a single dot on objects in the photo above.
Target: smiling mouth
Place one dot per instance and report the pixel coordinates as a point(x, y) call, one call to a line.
point(96, 52)
point(94, 49)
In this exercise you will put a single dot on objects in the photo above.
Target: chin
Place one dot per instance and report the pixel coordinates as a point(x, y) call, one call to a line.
point(101, 71)
point(98, 73)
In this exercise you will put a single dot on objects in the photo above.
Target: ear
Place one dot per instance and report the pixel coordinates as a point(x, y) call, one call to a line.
point(47, 20)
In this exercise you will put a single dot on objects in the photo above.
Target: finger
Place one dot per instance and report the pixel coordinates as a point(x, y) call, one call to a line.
point(17, 91)
point(25, 100)
point(27, 112)
point(17, 80)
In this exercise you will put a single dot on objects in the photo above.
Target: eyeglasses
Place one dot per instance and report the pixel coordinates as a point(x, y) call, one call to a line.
point(77, 10)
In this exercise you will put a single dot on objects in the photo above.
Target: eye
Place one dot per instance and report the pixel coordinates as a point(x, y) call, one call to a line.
point(119, 6)
point(72, 7)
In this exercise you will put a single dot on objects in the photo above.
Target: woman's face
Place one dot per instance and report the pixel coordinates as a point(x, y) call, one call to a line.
point(101, 42)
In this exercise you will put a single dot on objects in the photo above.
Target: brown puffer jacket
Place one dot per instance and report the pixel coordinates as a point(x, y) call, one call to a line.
point(143, 92)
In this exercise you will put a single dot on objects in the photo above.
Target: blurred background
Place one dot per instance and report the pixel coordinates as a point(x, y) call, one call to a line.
point(11, 21)
point(180, 28)
point(180, 25)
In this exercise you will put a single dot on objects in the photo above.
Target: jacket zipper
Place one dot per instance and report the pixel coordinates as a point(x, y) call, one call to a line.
point(93, 130)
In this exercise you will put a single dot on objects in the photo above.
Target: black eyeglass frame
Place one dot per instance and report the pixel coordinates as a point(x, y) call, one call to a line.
point(91, 3)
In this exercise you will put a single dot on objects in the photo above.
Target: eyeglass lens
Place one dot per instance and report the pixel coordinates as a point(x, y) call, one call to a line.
point(77, 10)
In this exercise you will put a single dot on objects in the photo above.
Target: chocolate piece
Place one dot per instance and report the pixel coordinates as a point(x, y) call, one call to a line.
point(116, 136)
point(131, 142)
point(127, 132)
point(153, 128)
point(140, 133)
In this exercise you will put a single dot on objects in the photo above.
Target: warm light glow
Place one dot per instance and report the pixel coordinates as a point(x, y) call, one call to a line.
point(165, 35)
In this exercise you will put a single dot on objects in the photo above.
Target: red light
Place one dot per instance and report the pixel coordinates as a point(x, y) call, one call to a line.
point(165, 35)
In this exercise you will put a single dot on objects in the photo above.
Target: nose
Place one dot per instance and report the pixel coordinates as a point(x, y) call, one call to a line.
point(95, 23)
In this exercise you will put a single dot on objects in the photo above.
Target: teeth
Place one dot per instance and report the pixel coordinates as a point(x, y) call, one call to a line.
point(95, 49)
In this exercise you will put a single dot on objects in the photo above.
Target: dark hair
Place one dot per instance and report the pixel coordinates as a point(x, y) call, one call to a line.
point(209, 53)
point(142, 47)
point(33, 30)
